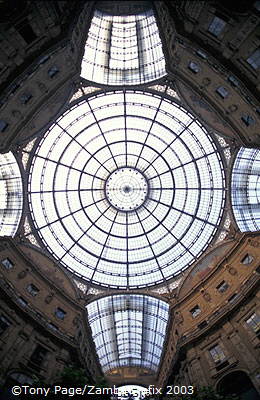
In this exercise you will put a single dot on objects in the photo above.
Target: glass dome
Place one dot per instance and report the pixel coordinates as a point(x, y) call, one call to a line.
point(126, 189)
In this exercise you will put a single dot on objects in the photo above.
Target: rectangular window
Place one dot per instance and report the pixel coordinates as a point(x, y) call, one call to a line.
point(53, 71)
point(60, 313)
point(27, 32)
point(222, 92)
point(3, 125)
point(194, 67)
point(23, 302)
point(217, 354)
point(32, 289)
point(4, 324)
point(37, 357)
point(201, 54)
point(247, 119)
point(254, 59)
point(7, 263)
point(216, 26)
point(25, 98)
point(247, 259)
point(195, 311)
point(254, 322)
point(233, 80)
point(222, 287)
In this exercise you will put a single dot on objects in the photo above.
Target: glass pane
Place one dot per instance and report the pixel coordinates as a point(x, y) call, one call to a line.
point(245, 189)
point(128, 330)
point(123, 50)
point(129, 200)
point(11, 195)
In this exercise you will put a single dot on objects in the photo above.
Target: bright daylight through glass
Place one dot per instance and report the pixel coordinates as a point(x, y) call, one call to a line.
point(11, 195)
point(126, 189)
point(123, 50)
point(128, 330)
point(245, 189)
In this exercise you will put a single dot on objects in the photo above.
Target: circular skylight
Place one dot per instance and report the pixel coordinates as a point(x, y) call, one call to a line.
point(126, 189)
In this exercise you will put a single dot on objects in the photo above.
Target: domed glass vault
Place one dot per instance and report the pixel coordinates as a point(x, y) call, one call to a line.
point(126, 189)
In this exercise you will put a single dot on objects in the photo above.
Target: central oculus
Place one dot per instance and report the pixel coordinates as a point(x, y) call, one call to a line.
point(126, 189)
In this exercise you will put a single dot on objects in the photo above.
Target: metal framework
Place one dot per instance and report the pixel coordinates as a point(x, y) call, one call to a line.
point(245, 189)
point(123, 50)
point(11, 195)
point(126, 189)
point(128, 330)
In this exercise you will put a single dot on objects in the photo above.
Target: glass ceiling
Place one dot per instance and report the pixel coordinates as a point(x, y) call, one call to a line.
point(128, 330)
point(126, 189)
point(11, 195)
point(245, 189)
point(123, 50)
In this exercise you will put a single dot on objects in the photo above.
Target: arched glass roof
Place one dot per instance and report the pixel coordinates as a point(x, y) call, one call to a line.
point(245, 189)
point(11, 195)
point(126, 189)
point(123, 50)
point(128, 330)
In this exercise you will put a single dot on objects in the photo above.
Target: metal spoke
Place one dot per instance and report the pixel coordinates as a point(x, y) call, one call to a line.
point(104, 245)
point(103, 134)
point(73, 138)
point(121, 208)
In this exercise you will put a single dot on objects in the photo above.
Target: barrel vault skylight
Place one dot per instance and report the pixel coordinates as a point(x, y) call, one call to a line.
point(126, 189)
point(123, 50)
point(11, 195)
point(245, 189)
point(128, 330)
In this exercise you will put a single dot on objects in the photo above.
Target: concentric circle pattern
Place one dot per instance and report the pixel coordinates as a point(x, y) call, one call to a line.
point(126, 189)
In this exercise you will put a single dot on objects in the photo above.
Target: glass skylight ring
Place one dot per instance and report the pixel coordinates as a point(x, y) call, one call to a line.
point(126, 189)
point(153, 142)
point(84, 168)
point(146, 196)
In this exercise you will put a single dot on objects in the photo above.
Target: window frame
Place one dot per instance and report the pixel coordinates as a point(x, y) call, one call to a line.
point(216, 26)
point(221, 356)
point(222, 287)
point(60, 313)
point(195, 311)
point(33, 291)
point(5, 323)
point(8, 265)
point(247, 259)
point(255, 326)
point(254, 59)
